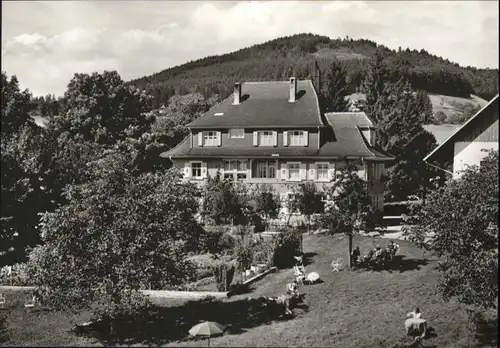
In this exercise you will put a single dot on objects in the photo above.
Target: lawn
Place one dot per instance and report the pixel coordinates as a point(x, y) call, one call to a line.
point(349, 309)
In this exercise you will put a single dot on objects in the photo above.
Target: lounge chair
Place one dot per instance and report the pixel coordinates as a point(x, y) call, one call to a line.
point(337, 265)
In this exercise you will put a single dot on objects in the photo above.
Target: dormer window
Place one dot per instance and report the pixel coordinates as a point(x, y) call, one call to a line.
point(295, 138)
point(236, 133)
point(211, 138)
point(265, 138)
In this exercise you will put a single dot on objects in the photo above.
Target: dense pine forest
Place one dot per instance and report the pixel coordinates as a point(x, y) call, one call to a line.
point(295, 55)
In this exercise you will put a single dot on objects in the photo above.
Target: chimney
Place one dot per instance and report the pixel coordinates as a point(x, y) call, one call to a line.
point(317, 78)
point(293, 89)
point(237, 93)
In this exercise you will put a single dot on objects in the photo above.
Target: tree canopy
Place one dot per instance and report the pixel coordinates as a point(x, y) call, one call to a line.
point(119, 232)
point(459, 223)
point(334, 89)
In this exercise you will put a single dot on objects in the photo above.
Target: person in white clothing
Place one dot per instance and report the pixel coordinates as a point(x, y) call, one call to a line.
point(415, 314)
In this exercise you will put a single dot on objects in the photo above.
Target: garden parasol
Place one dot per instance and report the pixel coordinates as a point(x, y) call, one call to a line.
point(207, 328)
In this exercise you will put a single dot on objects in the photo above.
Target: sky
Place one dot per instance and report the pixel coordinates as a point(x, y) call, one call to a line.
point(45, 43)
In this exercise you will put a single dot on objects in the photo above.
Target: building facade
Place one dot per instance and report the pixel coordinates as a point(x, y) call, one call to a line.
point(468, 145)
point(275, 133)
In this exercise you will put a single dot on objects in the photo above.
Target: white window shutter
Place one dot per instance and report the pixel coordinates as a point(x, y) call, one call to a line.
point(204, 170)
point(255, 138)
point(331, 171)
point(284, 171)
point(275, 138)
point(306, 135)
point(312, 173)
point(285, 138)
point(200, 138)
point(303, 171)
point(187, 170)
point(219, 139)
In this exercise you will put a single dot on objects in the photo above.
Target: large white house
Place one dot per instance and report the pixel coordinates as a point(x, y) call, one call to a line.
point(276, 133)
point(468, 145)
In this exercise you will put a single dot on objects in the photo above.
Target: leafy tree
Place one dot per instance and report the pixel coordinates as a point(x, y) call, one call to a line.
point(424, 106)
point(308, 200)
point(117, 234)
point(351, 211)
point(19, 188)
point(15, 105)
point(267, 203)
point(334, 89)
point(222, 203)
point(401, 133)
point(459, 222)
point(103, 109)
point(374, 85)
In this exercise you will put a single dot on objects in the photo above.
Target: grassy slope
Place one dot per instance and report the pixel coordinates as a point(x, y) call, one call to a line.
point(447, 104)
point(350, 309)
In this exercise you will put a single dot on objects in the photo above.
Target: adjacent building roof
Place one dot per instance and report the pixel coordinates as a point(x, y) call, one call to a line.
point(447, 146)
point(343, 119)
point(265, 104)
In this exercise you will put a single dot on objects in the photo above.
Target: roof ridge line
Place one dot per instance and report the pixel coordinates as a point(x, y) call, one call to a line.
point(317, 102)
point(363, 140)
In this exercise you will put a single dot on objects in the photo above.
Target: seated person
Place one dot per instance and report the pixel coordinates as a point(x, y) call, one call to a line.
point(378, 251)
point(415, 325)
point(292, 288)
point(415, 314)
point(369, 256)
point(355, 255)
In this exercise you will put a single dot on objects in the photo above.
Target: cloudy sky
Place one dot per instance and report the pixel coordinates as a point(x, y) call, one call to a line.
point(45, 43)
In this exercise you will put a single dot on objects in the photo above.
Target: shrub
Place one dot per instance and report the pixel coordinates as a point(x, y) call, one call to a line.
point(4, 334)
point(20, 275)
point(244, 254)
point(219, 242)
point(264, 252)
point(223, 270)
point(286, 246)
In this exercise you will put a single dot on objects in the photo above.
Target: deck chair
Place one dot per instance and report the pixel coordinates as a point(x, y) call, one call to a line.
point(2, 301)
point(337, 265)
point(30, 302)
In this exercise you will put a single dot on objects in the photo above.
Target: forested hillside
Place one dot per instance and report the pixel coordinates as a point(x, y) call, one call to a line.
point(295, 55)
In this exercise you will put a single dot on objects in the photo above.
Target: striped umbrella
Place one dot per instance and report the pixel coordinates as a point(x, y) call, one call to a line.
point(207, 328)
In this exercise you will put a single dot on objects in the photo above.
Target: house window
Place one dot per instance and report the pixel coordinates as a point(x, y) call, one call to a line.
point(322, 171)
point(236, 133)
point(234, 168)
point(266, 169)
point(210, 139)
point(297, 138)
point(266, 138)
point(294, 171)
point(196, 169)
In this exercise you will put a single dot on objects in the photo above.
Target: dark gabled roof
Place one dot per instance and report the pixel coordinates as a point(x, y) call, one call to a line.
point(349, 142)
point(447, 145)
point(265, 104)
point(343, 119)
